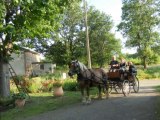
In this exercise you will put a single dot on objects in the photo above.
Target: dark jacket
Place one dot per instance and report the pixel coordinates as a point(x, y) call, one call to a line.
point(132, 69)
point(113, 62)
point(122, 64)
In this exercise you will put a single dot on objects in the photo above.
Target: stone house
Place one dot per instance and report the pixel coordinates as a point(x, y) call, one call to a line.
point(28, 62)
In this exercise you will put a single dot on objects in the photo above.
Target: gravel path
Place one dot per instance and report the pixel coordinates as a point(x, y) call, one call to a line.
point(137, 106)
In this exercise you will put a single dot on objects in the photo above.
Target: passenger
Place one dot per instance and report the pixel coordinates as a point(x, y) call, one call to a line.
point(114, 64)
point(122, 66)
point(123, 63)
point(132, 70)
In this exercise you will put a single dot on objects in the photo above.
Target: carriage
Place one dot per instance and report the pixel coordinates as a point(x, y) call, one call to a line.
point(87, 78)
point(122, 85)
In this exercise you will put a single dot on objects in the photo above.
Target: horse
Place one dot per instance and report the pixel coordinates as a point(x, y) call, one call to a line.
point(87, 78)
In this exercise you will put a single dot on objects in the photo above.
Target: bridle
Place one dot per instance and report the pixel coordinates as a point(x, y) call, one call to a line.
point(74, 68)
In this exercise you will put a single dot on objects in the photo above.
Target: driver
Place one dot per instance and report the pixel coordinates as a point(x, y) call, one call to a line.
point(114, 63)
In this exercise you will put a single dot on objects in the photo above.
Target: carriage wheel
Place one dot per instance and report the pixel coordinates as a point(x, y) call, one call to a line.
point(136, 85)
point(110, 89)
point(118, 87)
point(126, 88)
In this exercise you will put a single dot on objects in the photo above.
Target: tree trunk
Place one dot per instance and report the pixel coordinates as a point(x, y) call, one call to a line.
point(87, 37)
point(4, 80)
point(144, 63)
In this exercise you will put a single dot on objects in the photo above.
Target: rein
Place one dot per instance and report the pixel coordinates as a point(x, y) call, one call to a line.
point(83, 73)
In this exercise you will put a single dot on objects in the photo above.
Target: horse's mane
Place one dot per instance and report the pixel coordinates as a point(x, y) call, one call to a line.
point(82, 66)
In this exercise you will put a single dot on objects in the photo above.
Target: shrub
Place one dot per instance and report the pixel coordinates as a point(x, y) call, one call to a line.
point(33, 88)
point(149, 73)
point(135, 61)
point(46, 85)
point(156, 75)
point(70, 85)
point(20, 95)
point(57, 83)
point(6, 101)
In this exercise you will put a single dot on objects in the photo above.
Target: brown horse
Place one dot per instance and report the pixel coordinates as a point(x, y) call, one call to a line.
point(87, 78)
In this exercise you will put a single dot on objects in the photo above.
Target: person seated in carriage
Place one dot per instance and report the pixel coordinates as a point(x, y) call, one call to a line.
point(122, 67)
point(132, 69)
point(114, 64)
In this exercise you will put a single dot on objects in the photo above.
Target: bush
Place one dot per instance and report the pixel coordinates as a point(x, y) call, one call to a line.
point(55, 75)
point(70, 85)
point(57, 83)
point(20, 95)
point(135, 61)
point(33, 88)
point(46, 85)
point(6, 101)
point(149, 73)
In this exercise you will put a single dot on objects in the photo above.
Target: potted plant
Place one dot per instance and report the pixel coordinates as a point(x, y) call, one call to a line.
point(57, 88)
point(20, 99)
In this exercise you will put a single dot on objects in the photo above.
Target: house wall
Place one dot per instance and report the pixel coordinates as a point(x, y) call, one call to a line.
point(22, 63)
point(42, 68)
point(18, 63)
point(28, 63)
point(29, 58)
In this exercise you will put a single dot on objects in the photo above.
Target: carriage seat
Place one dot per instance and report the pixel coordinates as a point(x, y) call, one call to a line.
point(114, 73)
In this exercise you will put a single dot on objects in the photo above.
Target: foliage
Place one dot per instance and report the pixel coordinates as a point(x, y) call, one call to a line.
point(70, 85)
point(46, 85)
point(66, 44)
point(6, 101)
point(102, 41)
point(52, 76)
point(20, 95)
point(70, 42)
point(33, 87)
point(139, 25)
point(151, 72)
point(27, 22)
point(57, 83)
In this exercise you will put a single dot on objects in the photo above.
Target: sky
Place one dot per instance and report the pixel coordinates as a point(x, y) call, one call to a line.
point(112, 8)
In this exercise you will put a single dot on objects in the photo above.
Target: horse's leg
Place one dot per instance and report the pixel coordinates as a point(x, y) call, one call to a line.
point(88, 95)
point(82, 93)
point(107, 90)
point(83, 96)
point(99, 92)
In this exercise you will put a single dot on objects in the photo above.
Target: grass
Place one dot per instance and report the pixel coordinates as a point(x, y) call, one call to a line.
point(158, 103)
point(40, 103)
point(43, 102)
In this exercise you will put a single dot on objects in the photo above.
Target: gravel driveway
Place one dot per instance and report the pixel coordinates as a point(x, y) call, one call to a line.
point(137, 106)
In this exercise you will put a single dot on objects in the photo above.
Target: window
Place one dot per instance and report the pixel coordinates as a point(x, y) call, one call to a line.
point(42, 66)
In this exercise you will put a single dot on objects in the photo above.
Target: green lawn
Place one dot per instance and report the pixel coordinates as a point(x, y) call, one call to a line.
point(43, 102)
point(40, 103)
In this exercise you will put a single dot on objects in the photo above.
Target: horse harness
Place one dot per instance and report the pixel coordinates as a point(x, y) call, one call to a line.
point(92, 78)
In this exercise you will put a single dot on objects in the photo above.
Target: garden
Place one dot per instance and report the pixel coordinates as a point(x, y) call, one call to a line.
point(41, 93)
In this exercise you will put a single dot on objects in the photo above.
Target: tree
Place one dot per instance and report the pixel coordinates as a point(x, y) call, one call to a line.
point(139, 21)
point(72, 37)
point(21, 21)
point(102, 42)
point(68, 36)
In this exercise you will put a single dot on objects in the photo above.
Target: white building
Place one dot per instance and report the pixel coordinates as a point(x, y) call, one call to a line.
point(28, 62)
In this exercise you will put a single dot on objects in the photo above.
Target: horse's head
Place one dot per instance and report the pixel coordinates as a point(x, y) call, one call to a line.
point(74, 68)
